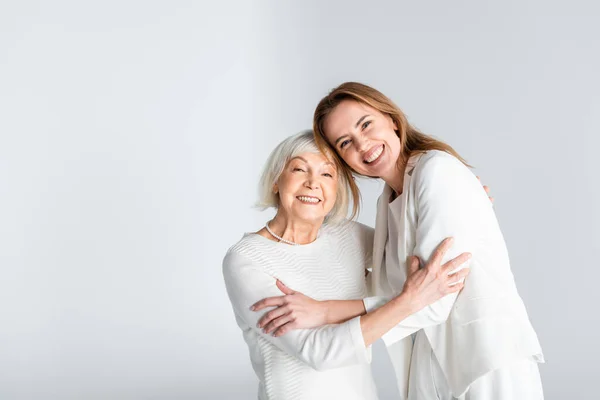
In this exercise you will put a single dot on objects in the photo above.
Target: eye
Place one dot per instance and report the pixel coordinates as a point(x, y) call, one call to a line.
point(327, 174)
point(344, 143)
point(298, 169)
point(366, 124)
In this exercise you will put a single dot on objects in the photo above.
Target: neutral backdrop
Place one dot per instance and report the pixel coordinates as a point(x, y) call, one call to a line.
point(132, 138)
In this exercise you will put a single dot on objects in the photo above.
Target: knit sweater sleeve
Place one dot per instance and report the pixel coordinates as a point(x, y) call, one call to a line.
point(326, 347)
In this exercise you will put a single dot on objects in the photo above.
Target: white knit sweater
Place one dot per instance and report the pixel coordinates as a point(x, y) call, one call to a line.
point(330, 362)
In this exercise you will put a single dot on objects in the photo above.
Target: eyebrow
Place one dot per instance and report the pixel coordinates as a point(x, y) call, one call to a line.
point(355, 126)
point(361, 120)
point(304, 159)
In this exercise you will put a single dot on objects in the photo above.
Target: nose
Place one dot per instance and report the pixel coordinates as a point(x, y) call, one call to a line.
point(361, 142)
point(312, 182)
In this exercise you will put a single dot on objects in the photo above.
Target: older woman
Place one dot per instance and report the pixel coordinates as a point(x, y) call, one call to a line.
point(310, 246)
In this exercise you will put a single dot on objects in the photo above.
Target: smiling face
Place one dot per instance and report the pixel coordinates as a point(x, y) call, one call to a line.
point(307, 187)
point(365, 138)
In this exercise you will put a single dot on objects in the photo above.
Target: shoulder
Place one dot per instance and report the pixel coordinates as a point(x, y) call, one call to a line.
point(351, 231)
point(240, 254)
point(436, 165)
point(435, 160)
point(344, 227)
point(364, 232)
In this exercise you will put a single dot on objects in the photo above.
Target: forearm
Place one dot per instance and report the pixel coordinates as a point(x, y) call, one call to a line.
point(329, 346)
point(430, 315)
point(375, 324)
point(339, 311)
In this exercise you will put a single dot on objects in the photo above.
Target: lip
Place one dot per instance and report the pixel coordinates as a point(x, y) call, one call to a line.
point(371, 152)
point(310, 197)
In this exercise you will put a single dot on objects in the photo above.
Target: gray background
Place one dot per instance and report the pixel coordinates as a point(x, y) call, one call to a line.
point(132, 137)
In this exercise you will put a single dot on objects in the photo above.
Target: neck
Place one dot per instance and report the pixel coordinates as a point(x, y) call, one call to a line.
point(395, 179)
point(297, 231)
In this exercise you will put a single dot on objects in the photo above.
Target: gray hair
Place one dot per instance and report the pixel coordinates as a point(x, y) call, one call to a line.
point(291, 147)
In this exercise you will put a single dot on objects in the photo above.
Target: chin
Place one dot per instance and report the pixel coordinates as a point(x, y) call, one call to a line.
point(384, 167)
point(310, 217)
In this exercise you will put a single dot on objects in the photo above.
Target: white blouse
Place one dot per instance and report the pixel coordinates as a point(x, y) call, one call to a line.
point(485, 326)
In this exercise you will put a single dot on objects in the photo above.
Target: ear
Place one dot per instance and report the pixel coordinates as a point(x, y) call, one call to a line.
point(275, 189)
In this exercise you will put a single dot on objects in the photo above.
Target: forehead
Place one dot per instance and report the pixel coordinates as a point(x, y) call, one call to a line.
point(312, 158)
point(345, 115)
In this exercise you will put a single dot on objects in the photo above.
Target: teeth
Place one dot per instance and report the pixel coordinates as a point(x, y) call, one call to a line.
point(375, 155)
point(308, 199)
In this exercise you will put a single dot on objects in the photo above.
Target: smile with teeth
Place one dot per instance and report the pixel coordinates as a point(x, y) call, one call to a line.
point(374, 155)
point(308, 199)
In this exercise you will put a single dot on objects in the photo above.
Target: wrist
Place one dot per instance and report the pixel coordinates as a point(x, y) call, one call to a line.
point(326, 311)
point(409, 301)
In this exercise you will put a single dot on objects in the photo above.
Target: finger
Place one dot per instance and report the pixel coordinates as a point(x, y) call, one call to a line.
point(284, 288)
point(459, 276)
point(413, 265)
point(491, 199)
point(456, 262)
point(454, 288)
point(479, 179)
point(271, 315)
point(282, 330)
point(486, 188)
point(268, 302)
point(440, 251)
point(277, 322)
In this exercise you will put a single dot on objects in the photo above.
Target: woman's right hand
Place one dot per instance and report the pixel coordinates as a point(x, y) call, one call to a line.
point(427, 285)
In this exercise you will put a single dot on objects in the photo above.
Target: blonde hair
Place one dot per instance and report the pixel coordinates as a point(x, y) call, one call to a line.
point(291, 147)
point(412, 141)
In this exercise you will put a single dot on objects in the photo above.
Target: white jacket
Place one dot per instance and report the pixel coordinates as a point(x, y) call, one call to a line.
point(486, 326)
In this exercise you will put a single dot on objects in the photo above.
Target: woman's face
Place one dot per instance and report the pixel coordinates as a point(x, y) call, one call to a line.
point(364, 138)
point(307, 187)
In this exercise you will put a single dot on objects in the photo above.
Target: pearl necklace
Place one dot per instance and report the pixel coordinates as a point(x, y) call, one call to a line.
point(279, 237)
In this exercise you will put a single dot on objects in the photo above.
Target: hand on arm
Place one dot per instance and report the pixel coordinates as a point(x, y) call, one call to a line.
point(423, 287)
point(298, 311)
point(450, 203)
point(329, 346)
point(444, 208)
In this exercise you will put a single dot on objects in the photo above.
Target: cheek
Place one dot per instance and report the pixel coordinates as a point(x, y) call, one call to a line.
point(331, 192)
point(350, 157)
point(354, 160)
point(285, 194)
point(287, 183)
point(391, 136)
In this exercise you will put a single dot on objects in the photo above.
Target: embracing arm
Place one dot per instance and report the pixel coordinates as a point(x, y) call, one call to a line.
point(423, 286)
point(445, 194)
point(450, 202)
point(329, 346)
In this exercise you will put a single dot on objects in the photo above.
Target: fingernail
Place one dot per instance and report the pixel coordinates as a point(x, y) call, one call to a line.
point(469, 255)
point(252, 308)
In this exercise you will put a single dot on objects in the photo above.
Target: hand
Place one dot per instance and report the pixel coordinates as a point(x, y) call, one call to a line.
point(487, 190)
point(293, 311)
point(427, 285)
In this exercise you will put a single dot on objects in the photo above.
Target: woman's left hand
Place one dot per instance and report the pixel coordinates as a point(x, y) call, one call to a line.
point(294, 310)
point(487, 190)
